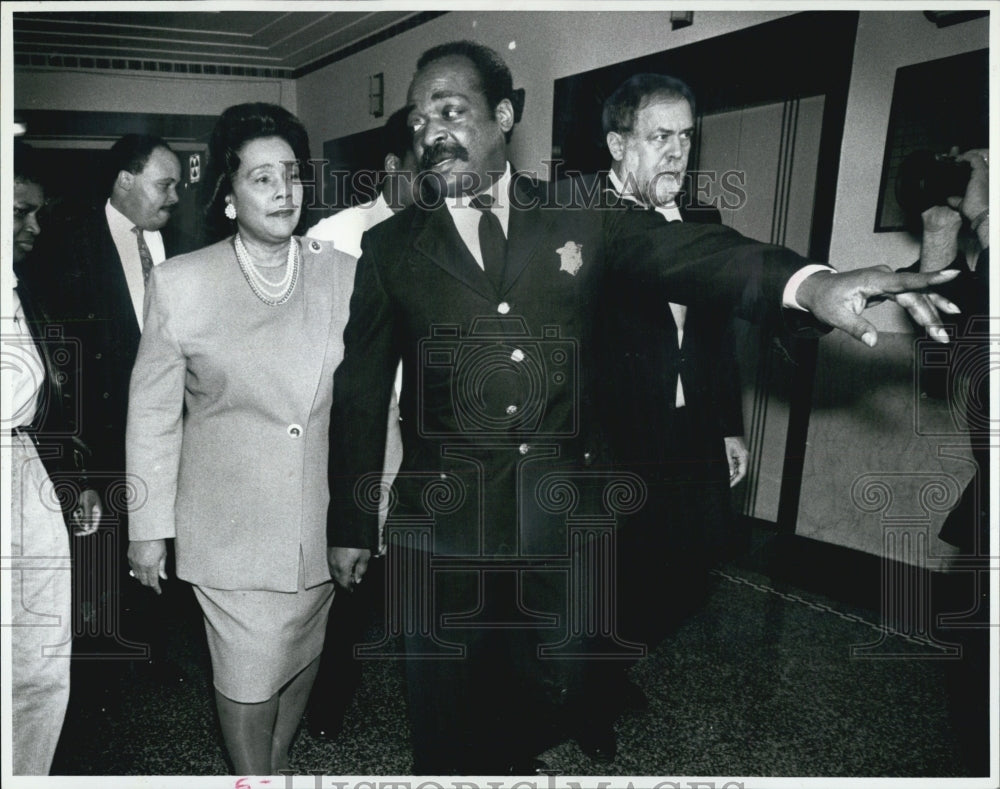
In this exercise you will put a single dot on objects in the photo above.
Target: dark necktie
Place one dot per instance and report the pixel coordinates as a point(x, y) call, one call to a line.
point(145, 256)
point(492, 241)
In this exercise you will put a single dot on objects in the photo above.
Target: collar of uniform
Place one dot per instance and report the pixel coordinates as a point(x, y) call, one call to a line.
point(500, 190)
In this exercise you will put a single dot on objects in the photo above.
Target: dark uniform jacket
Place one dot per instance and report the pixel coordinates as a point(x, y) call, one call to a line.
point(501, 432)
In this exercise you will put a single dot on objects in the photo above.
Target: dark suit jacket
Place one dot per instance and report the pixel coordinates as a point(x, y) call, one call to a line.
point(497, 386)
point(89, 295)
point(641, 361)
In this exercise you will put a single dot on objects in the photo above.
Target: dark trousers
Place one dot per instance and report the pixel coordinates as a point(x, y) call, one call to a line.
point(353, 620)
point(666, 549)
point(482, 699)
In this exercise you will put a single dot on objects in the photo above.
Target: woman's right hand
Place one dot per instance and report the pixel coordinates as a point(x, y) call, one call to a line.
point(148, 560)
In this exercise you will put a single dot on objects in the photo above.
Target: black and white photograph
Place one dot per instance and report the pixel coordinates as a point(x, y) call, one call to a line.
point(511, 395)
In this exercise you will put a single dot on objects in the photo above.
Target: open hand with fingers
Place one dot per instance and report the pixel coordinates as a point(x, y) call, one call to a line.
point(839, 299)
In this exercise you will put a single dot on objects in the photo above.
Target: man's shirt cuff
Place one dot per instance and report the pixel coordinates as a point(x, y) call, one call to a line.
point(792, 286)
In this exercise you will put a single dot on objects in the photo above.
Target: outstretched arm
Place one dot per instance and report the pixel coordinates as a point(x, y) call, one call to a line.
point(839, 299)
point(716, 266)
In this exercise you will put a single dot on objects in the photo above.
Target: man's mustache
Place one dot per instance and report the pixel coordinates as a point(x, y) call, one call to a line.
point(441, 151)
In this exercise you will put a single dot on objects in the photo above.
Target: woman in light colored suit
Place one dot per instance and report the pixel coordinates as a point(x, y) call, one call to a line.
point(229, 413)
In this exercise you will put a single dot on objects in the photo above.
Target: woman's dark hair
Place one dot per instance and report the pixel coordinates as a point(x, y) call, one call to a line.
point(237, 126)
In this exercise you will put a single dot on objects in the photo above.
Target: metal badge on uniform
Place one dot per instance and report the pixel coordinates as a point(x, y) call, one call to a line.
point(570, 257)
point(314, 245)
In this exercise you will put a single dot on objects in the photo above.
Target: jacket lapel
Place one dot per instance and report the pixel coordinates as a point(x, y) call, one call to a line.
point(526, 227)
point(436, 237)
point(116, 287)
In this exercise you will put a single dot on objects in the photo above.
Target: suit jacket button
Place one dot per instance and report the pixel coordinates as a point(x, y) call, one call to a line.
point(90, 316)
point(503, 308)
point(523, 449)
point(314, 245)
point(106, 395)
point(588, 458)
point(511, 410)
point(97, 356)
point(517, 355)
point(295, 431)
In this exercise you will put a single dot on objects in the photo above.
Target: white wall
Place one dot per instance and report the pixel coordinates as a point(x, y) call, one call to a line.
point(333, 101)
point(886, 41)
point(864, 428)
point(116, 91)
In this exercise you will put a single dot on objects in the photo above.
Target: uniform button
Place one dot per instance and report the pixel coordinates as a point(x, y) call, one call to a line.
point(106, 395)
point(98, 355)
point(90, 315)
point(523, 449)
point(511, 410)
point(503, 308)
point(444, 476)
point(587, 458)
point(295, 431)
point(518, 355)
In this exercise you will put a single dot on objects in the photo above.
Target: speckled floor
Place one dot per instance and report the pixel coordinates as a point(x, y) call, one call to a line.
point(784, 672)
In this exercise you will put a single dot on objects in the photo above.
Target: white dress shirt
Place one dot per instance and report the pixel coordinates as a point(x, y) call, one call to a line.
point(127, 245)
point(466, 217)
point(345, 228)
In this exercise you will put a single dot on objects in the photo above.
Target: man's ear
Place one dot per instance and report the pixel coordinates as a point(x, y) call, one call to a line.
point(392, 163)
point(616, 145)
point(504, 114)
point(125, 180)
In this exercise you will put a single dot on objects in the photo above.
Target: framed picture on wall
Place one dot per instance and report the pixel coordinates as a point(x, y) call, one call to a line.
point(936, 105)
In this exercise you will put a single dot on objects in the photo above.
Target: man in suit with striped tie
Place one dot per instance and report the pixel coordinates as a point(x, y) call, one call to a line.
point(97, 262)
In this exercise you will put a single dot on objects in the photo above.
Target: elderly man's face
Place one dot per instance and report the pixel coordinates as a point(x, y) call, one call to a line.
point(654, 155)
point(455, 131)
point(28, 200)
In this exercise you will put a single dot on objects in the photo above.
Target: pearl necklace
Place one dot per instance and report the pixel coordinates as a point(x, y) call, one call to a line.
point(271, 293)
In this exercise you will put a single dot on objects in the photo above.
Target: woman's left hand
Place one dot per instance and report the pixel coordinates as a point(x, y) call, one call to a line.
point(148, 560)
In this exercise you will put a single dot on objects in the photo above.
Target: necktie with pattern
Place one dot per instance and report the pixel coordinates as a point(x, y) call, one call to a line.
point(145, 256)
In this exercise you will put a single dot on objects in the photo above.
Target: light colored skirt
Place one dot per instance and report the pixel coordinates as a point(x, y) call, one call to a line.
point(259, 640)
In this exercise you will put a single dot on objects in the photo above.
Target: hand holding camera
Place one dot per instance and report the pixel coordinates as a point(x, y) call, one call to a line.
point(974, 204)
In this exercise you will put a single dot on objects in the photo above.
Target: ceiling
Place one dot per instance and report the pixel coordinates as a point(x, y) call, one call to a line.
point(252, 43)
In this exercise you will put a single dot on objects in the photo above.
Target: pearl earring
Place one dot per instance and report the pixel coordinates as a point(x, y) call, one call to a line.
point(230, 211)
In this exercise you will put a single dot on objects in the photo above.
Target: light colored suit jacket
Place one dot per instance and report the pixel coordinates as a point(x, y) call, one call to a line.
point(229, 416)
